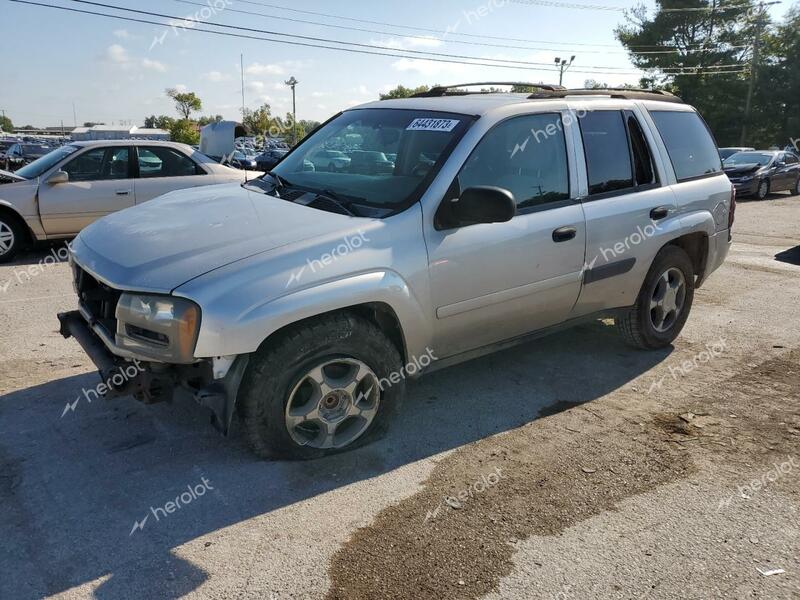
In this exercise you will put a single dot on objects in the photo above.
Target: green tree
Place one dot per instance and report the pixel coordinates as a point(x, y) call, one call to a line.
point(185, 132)
point(185, 102)
point(677, 48)
point(259, 120)
point(206, 120)
point(162, 122)
point(5, 124)
point(403, 92)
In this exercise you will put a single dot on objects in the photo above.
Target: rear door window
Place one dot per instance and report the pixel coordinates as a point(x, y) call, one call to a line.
point(608, 158)
point(161, 161)
point(643, 169)
point(691, 148)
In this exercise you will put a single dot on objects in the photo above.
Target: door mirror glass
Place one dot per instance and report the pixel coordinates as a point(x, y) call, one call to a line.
point(58, 177)
point(483, 204)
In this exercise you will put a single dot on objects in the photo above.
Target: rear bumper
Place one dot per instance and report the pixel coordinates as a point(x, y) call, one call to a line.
point(155, 382)
point(718, 246)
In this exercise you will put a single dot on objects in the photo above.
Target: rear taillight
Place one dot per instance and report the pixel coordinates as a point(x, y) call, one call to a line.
point(732, 209)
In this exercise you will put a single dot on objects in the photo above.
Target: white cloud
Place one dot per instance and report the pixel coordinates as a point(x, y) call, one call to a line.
point(255, 86)
point(317, 94)
point(215, 76)
point(117, 54)
point(123, 34)
point(154, 65)
point(406, 43)
point(181, 87)
point(259, 69)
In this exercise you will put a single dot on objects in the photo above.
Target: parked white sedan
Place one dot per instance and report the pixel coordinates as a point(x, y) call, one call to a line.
point(64, 191)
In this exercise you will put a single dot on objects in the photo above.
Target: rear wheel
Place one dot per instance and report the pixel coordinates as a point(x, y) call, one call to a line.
point(316, 390)
point(11, 237)
point(763, 189)
point(664, 301)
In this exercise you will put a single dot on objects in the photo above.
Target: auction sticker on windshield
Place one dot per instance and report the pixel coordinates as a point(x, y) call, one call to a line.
point(432, 125)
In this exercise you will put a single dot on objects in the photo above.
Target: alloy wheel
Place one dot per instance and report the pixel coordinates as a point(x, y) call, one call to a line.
point(6, 238)
point(667, 301)
point(333, 404)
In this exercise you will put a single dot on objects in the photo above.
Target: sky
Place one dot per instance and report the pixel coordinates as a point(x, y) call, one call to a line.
point(115, 72)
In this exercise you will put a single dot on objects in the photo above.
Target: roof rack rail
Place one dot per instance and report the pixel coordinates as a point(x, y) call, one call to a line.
point(442, 90)
point(613, 92)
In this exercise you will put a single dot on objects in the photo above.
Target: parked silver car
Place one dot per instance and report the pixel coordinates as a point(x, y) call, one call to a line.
point(304, 299)
point(67, 189)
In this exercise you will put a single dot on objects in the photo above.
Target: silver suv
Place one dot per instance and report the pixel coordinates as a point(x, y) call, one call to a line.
point(303, 300)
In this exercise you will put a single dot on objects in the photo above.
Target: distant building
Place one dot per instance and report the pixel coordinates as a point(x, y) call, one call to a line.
point(117, 132)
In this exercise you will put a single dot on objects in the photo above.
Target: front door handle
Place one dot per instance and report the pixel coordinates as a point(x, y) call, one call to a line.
point(659, 212)
point(563, 234)
point(123, 192)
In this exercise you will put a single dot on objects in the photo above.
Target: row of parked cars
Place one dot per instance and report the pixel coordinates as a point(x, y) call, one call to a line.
point(757, 173)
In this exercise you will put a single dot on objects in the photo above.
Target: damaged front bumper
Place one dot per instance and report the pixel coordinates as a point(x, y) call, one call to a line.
point(153, 382)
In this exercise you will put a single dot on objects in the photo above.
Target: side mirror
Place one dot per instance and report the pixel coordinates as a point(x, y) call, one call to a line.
point(482, 204)
point(58, 177)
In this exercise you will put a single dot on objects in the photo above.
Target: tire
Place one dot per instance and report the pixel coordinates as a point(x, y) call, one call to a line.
point(12, 236)
point(763, 189)
point(639, 324)
point(277, 385)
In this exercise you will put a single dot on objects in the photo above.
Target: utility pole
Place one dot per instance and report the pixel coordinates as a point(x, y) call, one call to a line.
point(759, 24)
point(241, 63)
point(74, 115)
point(292, 83)
point(563, 65)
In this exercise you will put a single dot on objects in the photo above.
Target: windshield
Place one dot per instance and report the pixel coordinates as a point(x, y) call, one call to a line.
point(748, 158)
point(40, 165)
point(349, 157)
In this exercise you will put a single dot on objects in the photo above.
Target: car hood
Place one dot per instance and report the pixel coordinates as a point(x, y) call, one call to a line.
point(743, 169)
point(9, 177)
point(164, 243)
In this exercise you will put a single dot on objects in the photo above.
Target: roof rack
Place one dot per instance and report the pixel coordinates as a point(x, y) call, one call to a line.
point(444, 90)
point(626, 93)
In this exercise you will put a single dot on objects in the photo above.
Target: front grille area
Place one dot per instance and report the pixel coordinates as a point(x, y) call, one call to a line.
point(97, 298)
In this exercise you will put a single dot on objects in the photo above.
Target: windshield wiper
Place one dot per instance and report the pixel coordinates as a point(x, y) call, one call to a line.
point(282, 182)
point(338, 201)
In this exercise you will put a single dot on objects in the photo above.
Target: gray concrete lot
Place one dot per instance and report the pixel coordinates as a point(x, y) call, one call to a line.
point(622, 474)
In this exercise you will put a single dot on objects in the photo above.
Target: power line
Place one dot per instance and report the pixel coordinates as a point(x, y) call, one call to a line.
point(416, 53)
point(442, 39)
point(321, 46)
point(575, 5)
point(450, 31)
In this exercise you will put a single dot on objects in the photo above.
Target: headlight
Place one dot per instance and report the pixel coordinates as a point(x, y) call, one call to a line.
point(164, 328)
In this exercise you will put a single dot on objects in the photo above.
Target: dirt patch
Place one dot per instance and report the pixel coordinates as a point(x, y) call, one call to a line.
point(455, 538)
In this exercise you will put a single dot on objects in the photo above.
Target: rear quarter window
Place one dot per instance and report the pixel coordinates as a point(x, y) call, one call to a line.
point(689, 143)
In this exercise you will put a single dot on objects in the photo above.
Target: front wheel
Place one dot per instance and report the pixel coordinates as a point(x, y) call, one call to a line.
point(11, 237)
point(663, 304)
point(324, 387)
point(762, 190)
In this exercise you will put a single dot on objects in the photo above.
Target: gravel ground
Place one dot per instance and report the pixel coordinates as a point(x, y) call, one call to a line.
point(570, 468)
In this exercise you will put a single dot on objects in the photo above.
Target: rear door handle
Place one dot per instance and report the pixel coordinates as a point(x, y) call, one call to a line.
point(123, 192)
point(659, 212)
point(563, 234)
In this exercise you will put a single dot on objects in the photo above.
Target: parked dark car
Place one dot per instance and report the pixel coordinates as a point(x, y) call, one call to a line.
point(728, 152)
point(19, 155)
point(240, 160)
point(268, 159)
point(764, 171)
point(370, 163)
